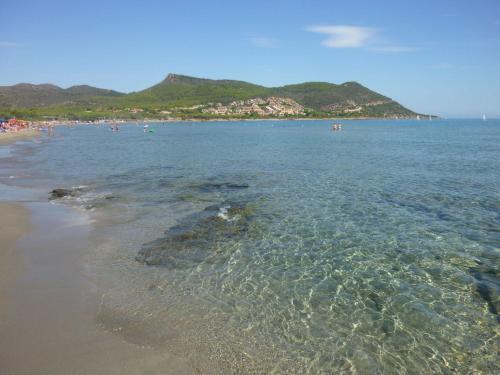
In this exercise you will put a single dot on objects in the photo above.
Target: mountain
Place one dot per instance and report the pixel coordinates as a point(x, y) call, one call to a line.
point(348, 97)
point(183, 96)
point(24, 95)
point(180, 90)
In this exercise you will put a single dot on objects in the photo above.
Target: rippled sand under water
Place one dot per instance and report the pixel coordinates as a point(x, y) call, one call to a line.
point(246, 247)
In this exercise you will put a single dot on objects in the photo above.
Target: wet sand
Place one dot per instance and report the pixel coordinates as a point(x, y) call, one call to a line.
point(6, 138)
point(14, 223)
point(48, 314)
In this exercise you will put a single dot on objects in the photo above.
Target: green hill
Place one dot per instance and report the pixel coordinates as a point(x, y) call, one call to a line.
point(178, 90)
point(329, 97)
point(26, 95)
point(319, 95)
point(184, 96)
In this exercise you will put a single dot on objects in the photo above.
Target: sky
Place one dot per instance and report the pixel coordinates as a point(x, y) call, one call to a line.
point(433, 56)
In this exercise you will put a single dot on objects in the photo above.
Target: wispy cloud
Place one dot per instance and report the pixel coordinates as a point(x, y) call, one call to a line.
point(341, 36)
point(6, 44)
point(264, 42)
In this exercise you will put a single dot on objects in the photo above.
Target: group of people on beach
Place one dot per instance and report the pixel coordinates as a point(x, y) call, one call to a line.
point(13, 125)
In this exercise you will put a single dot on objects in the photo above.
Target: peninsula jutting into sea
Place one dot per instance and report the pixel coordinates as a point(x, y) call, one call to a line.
point(184, 97)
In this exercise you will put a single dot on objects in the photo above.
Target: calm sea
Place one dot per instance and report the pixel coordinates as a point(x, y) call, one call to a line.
point(284, 246)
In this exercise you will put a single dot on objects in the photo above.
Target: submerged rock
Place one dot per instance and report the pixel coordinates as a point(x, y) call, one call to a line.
point(487, 286)
point(208, 187)
point(195, 237)
point(61, 193)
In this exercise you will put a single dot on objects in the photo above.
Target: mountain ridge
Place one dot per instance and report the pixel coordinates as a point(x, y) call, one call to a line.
point(25, 95)
point(181, 95)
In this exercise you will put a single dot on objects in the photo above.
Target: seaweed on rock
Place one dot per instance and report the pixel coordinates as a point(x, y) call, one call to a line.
point(195, 237)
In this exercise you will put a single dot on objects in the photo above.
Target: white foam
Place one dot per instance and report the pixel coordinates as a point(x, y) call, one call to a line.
point(223, 212)
point(80, 187)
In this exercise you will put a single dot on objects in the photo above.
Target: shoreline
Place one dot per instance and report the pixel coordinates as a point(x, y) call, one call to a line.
point(49, 300)
point(14, 224)
point(11, 137)
point(149, 317)
point(48, 318)
point(190, 120)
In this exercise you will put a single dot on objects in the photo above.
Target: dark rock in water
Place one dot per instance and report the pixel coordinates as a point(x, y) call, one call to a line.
point(485, 292)
point(208, 187)
point(388, 326)
point(488, 287)
point(236, 186)
point(378, 303)
point(195, 237)
point(61, 193)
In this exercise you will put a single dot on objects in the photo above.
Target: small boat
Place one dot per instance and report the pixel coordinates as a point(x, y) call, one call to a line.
point(484, 117)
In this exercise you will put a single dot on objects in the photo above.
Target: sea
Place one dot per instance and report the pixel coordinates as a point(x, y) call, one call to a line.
point(283, 246)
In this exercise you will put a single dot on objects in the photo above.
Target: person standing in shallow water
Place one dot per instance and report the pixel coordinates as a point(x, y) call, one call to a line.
point(336, 127)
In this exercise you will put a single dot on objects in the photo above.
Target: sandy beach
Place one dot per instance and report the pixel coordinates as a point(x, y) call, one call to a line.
point(14, 223)
point(6, 138)
point(48, 304)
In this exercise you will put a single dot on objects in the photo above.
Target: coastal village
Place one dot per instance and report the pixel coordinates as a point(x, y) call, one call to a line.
point(272, 106)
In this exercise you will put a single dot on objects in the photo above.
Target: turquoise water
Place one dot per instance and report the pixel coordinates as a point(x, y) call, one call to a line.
point(286, 247)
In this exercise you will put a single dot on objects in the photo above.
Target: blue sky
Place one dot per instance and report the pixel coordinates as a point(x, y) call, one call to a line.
point(440, 56)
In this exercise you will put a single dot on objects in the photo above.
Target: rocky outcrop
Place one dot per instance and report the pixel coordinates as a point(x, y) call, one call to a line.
point(197, 236)
point(65, 193)
point(60, 193)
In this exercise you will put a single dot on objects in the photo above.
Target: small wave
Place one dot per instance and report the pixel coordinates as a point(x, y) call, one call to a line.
point(80, 187)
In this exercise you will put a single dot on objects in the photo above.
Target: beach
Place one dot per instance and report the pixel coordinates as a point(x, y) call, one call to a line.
point(14, 223)
point(9, 137)
point(48, 305)
point(276, 246)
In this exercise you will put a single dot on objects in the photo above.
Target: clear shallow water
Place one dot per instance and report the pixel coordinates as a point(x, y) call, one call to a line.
point(374, 249)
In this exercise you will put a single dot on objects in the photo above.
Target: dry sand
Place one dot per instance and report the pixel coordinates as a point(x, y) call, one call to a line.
point(47, 322)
